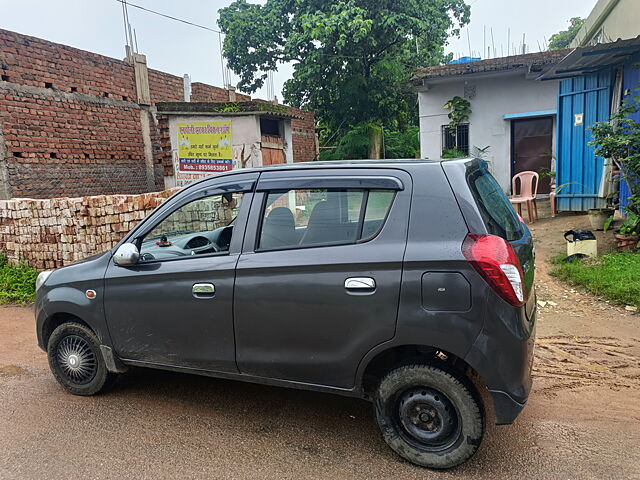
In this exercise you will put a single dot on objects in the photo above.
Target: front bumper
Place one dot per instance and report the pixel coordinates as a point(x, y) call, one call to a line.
point(40, 316)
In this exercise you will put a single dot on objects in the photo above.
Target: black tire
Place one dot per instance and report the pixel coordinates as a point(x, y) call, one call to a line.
point(428, 416)
point(76, 361)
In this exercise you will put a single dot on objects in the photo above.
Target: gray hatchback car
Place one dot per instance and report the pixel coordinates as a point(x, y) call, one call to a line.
point(408, 283)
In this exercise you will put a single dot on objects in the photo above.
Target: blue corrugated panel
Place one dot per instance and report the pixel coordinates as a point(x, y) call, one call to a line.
point(577, 165)
point(631, 82)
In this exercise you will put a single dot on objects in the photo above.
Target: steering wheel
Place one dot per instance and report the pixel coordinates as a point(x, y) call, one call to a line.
point(205, 248)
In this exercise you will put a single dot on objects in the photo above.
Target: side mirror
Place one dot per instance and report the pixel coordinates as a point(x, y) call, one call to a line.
point(127, 254)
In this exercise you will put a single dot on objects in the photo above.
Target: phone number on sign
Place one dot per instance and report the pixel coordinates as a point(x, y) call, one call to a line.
point(205, 168)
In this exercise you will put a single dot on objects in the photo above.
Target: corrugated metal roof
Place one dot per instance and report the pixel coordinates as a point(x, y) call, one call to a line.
point(533, 62)
point(584, 60)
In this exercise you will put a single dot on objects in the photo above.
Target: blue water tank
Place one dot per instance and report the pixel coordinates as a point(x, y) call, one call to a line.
point(464, 60)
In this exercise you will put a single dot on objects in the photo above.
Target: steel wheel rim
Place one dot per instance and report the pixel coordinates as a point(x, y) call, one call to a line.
point(428, 418)
point(76, 359)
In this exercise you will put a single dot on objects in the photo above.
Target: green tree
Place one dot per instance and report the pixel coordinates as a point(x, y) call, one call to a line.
point(352, 59)
point(356, 143)
point(563, 38)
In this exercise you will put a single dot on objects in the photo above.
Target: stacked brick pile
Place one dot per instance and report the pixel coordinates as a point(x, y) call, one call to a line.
point(56, 232)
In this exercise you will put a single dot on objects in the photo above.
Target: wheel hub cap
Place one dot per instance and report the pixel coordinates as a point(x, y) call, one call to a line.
point(428, 416)
point(77, 359)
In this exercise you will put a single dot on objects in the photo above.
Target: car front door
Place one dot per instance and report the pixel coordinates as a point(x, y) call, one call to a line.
point(175, 306)
point(318, 282)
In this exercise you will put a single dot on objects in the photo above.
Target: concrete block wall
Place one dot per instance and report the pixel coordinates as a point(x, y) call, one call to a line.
point(56, 232)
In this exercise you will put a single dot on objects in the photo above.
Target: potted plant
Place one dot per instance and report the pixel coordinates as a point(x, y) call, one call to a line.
point(628, 235)
point(598, 217)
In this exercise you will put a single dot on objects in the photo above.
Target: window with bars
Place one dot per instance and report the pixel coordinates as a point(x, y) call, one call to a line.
point(456, 138)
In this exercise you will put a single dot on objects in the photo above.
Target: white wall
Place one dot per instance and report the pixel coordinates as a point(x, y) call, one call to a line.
point(495, 96)
point(613, 19)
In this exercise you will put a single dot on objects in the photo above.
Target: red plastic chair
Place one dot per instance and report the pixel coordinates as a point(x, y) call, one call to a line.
point(528, 182)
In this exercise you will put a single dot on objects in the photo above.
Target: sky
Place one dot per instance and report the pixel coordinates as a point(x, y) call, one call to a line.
point(173, 47)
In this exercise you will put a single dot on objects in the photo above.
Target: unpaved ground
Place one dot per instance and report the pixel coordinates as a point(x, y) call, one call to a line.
point(582, 420)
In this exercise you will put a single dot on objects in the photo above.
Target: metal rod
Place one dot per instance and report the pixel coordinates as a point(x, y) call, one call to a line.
point(124, 20)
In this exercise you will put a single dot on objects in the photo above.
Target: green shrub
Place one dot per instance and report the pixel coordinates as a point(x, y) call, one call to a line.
point(17, 282)
point(453, 153)
point(405, 144)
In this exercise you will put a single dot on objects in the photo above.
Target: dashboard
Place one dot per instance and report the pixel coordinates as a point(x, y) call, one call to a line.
point(183, 244)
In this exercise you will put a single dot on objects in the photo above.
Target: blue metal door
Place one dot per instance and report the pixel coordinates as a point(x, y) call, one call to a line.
point(582, 101)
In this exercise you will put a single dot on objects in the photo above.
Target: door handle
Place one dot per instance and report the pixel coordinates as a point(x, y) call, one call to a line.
point(360, 283)
point(203, 290)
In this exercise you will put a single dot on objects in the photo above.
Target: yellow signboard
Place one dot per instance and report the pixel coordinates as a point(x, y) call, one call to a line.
point(205, 147)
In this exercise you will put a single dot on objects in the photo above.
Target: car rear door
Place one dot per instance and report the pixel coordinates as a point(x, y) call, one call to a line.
point(312, 297)
point(483, 201)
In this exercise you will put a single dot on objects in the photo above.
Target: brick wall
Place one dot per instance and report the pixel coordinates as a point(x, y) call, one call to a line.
point(61, 143)
point(55, 232)
point(70, 124)
point(35, 62)
point(201, 92)
point(165, 87)
point(303, 135)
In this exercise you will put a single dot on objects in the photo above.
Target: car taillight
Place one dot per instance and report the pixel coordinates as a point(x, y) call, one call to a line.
point(496, 261)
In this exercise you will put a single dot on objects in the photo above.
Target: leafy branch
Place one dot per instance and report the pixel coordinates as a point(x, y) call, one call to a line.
point(460, 111)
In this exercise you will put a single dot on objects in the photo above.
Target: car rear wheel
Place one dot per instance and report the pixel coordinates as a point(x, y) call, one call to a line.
point(76, 361)
point(429, 416)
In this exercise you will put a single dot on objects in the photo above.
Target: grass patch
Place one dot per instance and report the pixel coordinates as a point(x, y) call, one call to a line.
point(614, 277)
point(17, 282)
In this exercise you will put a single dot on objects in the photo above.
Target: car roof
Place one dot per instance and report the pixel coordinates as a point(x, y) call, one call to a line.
point(393, 163)
point(349, 164)
point(407, 163)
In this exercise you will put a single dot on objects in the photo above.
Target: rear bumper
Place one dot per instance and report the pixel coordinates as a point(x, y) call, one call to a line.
point(503, 357)
point(506, 408)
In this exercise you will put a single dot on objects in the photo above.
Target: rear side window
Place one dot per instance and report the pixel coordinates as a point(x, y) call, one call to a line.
point(300, 218)
point(495, 209)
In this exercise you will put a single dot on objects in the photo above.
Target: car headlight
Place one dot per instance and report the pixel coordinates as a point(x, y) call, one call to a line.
point(42, 277)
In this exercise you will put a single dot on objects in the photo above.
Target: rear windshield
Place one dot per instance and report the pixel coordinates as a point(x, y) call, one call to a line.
point(495, 209)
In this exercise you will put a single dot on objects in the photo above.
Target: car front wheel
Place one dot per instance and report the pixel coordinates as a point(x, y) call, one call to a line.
point(76, 361)
point(429, 416)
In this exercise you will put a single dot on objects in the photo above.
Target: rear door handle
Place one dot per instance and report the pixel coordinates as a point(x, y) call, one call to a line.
point(203, 290)
point(360, 283)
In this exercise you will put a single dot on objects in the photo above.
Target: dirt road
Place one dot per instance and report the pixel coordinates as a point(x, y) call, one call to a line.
point(582, 420)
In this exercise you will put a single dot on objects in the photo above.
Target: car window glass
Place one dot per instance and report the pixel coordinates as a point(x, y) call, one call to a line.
point(378, 205)
point(304, 218)
point(199, 227)
point(496, 211)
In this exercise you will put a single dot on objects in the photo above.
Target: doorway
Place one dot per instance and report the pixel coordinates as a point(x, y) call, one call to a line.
point(531, 148)
point(272, 138)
